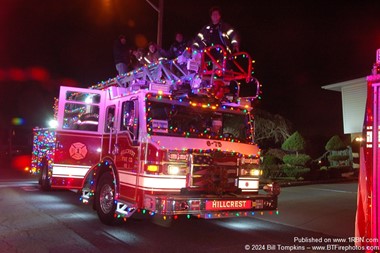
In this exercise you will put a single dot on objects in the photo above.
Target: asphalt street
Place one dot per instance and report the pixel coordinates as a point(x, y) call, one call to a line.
point(324, 208)
point(35, 221)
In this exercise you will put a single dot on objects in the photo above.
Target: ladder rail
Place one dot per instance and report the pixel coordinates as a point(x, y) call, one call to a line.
point(196, 68)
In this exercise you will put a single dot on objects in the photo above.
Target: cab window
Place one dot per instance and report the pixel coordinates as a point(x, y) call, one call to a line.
point(81, 117)
point(129, 119)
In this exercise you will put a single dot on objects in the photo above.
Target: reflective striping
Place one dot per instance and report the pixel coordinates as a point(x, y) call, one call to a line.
point(167, 183)
point(229, 32)
point(127, 178)
point(153, 182)
point(67, 176)
point(69, 170)
point(150, 189)
point(70, 165)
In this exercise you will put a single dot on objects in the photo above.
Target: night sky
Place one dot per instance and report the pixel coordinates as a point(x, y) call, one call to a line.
point(298, 47)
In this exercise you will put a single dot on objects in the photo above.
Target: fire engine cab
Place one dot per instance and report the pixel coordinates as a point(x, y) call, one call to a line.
point(171, 138)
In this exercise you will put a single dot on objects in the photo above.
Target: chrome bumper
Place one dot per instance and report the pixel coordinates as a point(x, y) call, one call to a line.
point(210, 206)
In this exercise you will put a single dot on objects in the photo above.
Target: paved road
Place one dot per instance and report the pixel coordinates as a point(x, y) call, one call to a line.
point(325, 208)
point(34, 221)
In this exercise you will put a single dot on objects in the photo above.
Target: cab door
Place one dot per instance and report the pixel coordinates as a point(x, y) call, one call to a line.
point(78, 136)
point(127, 156)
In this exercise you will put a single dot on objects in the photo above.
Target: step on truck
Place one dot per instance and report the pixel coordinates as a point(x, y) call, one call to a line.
point(170, 138)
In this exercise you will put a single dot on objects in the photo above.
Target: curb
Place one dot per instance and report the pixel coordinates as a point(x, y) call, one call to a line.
point(301, 183)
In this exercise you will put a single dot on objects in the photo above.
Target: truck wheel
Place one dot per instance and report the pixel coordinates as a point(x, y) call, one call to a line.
point(105, 199)
point(44, 178)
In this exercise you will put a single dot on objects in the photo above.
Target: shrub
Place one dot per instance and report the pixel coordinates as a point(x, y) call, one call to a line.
point(335, 143)
point(294, 143)
point(338, 157)
point(300, 159)
point(269, 160)
point(295, 171)
point(276, 152)
point(270, 166)
point(323, 173)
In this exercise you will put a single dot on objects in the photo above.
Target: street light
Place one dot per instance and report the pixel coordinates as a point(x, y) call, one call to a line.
point(160, 11)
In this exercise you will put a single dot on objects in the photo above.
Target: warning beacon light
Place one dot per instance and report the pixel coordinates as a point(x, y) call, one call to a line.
point(376, 65)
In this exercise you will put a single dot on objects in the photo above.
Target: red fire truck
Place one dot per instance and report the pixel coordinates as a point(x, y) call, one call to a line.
point(171, 138)
point(367, 226)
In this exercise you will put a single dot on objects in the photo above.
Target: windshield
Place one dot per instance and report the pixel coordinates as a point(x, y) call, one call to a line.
point(196, 122)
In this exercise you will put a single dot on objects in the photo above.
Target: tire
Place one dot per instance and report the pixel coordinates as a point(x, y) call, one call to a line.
point(44, 178)
point(105, 199)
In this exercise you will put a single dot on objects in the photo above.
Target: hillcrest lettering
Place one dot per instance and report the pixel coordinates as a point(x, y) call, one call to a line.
point(228, 204)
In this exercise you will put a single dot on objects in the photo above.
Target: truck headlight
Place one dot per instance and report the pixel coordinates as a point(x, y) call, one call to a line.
point(255, 172)
point(251, 172)
point(173, 169)
point(53, 123)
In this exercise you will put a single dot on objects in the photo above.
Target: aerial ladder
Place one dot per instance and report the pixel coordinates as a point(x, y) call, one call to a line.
point(211, 72)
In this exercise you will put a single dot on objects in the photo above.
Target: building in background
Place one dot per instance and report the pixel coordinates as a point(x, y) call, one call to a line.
point(354, 96)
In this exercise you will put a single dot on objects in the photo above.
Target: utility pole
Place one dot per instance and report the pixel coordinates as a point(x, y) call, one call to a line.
point(160, 11)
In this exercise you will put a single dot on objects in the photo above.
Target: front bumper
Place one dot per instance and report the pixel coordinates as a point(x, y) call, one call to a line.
point(210, 206)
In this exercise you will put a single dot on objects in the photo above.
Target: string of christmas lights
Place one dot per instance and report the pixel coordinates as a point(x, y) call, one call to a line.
point(43, 146)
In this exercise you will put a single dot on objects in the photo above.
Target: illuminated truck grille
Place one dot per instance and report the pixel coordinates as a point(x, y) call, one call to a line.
point(212, 175)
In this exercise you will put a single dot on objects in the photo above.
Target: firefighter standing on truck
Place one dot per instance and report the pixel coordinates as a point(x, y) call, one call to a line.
point(121, 55)
point(217, 33)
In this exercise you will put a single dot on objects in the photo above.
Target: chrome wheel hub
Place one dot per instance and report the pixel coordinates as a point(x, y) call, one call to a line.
point(106, 198)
